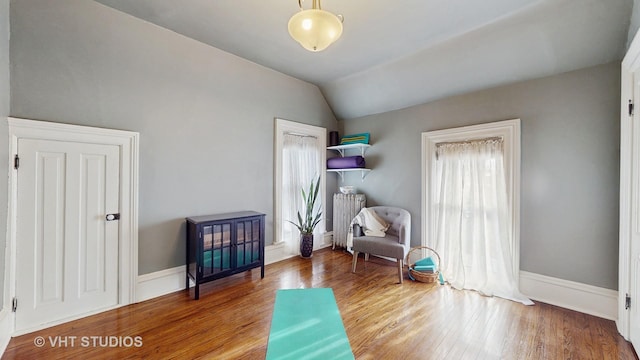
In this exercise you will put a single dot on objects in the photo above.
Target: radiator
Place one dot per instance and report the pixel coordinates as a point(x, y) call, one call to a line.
point(345, 208)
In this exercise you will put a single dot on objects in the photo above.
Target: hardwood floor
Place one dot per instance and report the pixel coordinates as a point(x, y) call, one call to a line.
point(383, 320)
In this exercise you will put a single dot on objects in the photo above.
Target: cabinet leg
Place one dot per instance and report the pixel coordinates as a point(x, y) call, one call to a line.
point(262, 271)
point(197, 291)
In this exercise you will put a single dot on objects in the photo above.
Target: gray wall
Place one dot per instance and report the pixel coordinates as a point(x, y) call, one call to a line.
point(205, 117)
point(4, 135)
point(570, 165)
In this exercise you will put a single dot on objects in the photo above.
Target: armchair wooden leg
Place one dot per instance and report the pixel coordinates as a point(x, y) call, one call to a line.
point(400, 270)
point(366, 256)
point(355, 261)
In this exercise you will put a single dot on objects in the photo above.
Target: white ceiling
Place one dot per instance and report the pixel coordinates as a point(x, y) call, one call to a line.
point(395, 54)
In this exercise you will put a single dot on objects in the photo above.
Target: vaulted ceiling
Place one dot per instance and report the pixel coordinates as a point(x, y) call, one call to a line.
point(395, 54)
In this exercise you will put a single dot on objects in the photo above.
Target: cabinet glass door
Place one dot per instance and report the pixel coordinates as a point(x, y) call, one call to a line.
point(216, 248)
point(248, 241)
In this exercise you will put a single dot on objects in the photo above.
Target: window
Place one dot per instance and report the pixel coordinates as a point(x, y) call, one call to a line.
point(470, 205)
point(300, 158)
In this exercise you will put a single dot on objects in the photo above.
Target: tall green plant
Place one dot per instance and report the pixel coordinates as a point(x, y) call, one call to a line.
point(307, 223)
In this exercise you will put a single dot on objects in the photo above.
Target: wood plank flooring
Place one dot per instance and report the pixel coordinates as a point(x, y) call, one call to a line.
point(383, 319)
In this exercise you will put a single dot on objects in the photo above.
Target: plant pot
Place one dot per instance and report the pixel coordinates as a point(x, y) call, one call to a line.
point(306, 245)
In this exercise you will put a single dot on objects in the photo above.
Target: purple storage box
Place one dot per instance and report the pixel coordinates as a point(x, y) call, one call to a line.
point(347, 162)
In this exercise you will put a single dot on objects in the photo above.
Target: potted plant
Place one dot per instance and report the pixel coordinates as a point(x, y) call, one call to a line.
point(307, 223)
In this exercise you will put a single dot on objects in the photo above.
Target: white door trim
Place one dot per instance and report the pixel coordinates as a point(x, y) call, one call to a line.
point(630, 65)
point(128, 142)
point(509, 130)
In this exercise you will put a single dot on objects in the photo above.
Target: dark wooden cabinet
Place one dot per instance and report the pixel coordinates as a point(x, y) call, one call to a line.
point(222, 245)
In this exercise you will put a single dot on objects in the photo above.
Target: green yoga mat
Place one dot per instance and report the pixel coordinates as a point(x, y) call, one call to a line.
point(306, 325)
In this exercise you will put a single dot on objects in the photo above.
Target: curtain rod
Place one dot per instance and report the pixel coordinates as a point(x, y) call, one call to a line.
point(495, 138)
point(300, 135)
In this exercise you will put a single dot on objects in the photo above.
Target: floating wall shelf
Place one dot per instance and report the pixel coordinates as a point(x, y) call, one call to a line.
point(341, 149)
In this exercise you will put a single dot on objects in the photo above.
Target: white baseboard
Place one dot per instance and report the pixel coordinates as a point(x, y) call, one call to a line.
point(576, 296)
point(161, 283)
point(6, 328)
point(327, 240)
point(276, 252)
point(171, 280)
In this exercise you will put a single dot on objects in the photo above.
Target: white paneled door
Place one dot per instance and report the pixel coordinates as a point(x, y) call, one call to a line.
point(66, 249)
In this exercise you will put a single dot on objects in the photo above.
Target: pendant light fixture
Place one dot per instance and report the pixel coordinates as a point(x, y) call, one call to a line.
point(315, 29)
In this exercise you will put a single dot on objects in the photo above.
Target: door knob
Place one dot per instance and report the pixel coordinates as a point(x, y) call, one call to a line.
point(111, 217)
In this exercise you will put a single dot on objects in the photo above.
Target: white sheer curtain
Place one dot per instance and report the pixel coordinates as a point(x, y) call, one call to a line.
point(473, 233)
point(300, 166)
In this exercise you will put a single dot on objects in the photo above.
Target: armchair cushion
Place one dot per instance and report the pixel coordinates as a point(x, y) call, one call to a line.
point(386, 246)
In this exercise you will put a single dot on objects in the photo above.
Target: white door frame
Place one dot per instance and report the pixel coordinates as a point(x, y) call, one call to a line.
point(630, 65)
point(128, 248)
point(509, 130)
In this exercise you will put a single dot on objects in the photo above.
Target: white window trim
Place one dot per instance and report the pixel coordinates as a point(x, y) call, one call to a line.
point(509, 130)
point(282, 127)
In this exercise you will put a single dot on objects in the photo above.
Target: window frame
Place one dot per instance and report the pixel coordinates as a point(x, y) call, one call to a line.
point(283, 126)
point(509, 130)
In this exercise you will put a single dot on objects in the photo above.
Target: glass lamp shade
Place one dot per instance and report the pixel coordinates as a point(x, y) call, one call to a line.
point(315, 29)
